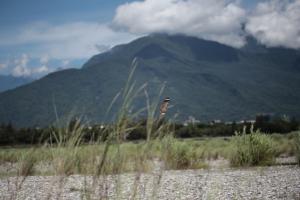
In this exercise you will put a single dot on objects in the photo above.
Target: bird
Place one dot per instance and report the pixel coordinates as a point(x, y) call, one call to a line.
point(164, 107)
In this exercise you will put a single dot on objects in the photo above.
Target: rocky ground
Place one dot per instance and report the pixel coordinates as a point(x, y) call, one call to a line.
point(277, 182)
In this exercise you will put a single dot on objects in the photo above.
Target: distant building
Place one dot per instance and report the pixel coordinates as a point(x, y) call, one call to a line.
point(216, 121)
point(191, 120)
point(240, 122)
point(251, 121)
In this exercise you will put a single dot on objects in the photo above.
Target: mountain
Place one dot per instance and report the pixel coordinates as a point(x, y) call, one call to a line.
point(8, 82)
point(204, 79)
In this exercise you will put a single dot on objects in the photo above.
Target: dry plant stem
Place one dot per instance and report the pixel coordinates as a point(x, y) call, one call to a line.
point(65, 153)
point(23, 172)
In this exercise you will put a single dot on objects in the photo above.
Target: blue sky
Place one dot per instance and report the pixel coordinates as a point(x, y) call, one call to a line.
point(56, 11)
point(17, 16)
point(38, 36)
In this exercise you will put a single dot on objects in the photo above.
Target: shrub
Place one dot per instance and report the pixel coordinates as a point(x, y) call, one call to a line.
point(252, 149)
point(180, 155)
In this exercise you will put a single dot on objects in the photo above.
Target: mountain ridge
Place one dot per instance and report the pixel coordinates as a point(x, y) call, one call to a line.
point(204, 79)
point(8, 82)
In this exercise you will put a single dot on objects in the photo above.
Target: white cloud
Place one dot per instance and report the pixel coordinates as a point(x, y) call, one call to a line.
point(22, 61)
point(44, 59)
point(65, 63)
point(41, 70)
point(102, 48)
point(218, 20)
point(76, 40)
point(19, 71)
point(3, 66)
point(276, 23)
point(21, 68)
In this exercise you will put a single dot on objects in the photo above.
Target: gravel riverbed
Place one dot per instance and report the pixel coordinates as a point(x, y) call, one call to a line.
point(277, 182)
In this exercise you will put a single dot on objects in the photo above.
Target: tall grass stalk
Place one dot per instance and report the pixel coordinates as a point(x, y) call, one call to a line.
point(66, 148)
point(116, 162)
point(297, 147)
point(99, 159)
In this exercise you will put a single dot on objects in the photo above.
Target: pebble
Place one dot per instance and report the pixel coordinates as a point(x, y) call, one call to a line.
point(276, 182)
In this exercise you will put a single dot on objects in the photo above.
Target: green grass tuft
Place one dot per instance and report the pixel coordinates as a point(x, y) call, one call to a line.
point(180, 155)
point(252, 149)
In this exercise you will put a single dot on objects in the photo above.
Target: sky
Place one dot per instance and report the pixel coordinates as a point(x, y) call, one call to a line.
point(38, 37)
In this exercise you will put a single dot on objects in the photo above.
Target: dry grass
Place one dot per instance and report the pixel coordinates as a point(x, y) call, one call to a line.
point(68, 155)
point(297, 146)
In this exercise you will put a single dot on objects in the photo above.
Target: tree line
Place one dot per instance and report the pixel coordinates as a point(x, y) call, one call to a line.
point(10, 135)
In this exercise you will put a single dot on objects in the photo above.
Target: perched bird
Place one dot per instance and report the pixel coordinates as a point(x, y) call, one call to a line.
point(164, 107)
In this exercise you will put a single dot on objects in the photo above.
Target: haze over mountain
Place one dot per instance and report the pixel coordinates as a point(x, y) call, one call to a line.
point(8, 82)
point(204, 79)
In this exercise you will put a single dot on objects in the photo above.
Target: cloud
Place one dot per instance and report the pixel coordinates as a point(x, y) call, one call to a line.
point(276, 23)
point(3, 66)
point(65, 63)
point(273, 23)
point(102, 48)
point(41, 70)
point(19, 71)
point(218, 20)
point(21, 68)
point(76, 40)
point(44, 59)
